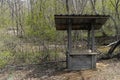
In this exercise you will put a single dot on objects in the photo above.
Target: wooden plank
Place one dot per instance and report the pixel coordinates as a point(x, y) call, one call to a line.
point(82, 62)
point(93, 38)
point(89, 40)
point(69, 43)
point(82, 16)
point(79, 20)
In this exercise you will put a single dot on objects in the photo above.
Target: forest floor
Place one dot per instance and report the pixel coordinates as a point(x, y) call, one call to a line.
point(106, 70)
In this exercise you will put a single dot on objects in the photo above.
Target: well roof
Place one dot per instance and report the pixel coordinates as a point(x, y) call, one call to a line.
point(80, 22)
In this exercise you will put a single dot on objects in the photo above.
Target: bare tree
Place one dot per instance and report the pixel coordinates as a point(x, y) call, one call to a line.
point(67, 6)
point(93, 4)
point(116, 19)
point(103, 12)
point(81, 4)
point(75, 5)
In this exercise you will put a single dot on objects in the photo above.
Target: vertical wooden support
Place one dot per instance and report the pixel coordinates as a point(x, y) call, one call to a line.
point(69, 42)
point(89, 47)
point(93, 38)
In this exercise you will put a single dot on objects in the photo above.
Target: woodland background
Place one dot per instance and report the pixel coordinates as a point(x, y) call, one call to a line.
point(28, 34)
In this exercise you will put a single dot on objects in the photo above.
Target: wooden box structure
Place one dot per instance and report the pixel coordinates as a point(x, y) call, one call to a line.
point(80, 22)
point(82, 61)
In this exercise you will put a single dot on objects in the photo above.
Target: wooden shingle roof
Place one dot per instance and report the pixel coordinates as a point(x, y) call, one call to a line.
point(80, 22)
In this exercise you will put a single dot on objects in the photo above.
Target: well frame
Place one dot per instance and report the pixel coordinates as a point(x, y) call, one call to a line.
point(80, 22)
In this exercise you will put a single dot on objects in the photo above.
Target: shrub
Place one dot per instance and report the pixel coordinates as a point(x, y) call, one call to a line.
point(5, 58)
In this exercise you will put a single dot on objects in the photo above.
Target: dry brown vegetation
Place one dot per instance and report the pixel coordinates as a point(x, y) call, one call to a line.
point(106, 70)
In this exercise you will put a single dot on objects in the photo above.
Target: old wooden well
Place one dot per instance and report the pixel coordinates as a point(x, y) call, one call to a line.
point(83, 60)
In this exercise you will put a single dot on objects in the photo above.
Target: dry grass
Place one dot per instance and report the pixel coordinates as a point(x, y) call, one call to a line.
point(106, 70)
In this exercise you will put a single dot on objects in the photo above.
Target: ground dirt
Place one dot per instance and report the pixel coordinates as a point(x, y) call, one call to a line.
point(106, 70)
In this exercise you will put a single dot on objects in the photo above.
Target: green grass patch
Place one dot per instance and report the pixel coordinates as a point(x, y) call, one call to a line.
point(5, 58)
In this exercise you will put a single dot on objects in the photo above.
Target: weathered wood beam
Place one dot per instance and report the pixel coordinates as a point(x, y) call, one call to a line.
point(93, 38)
point(69, 43)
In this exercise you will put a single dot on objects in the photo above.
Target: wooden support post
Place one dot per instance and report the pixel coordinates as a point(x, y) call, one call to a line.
point(93, 38)
point(69, 42)
point(89, 39)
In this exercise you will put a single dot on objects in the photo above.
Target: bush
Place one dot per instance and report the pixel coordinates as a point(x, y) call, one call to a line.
point(5, 58)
